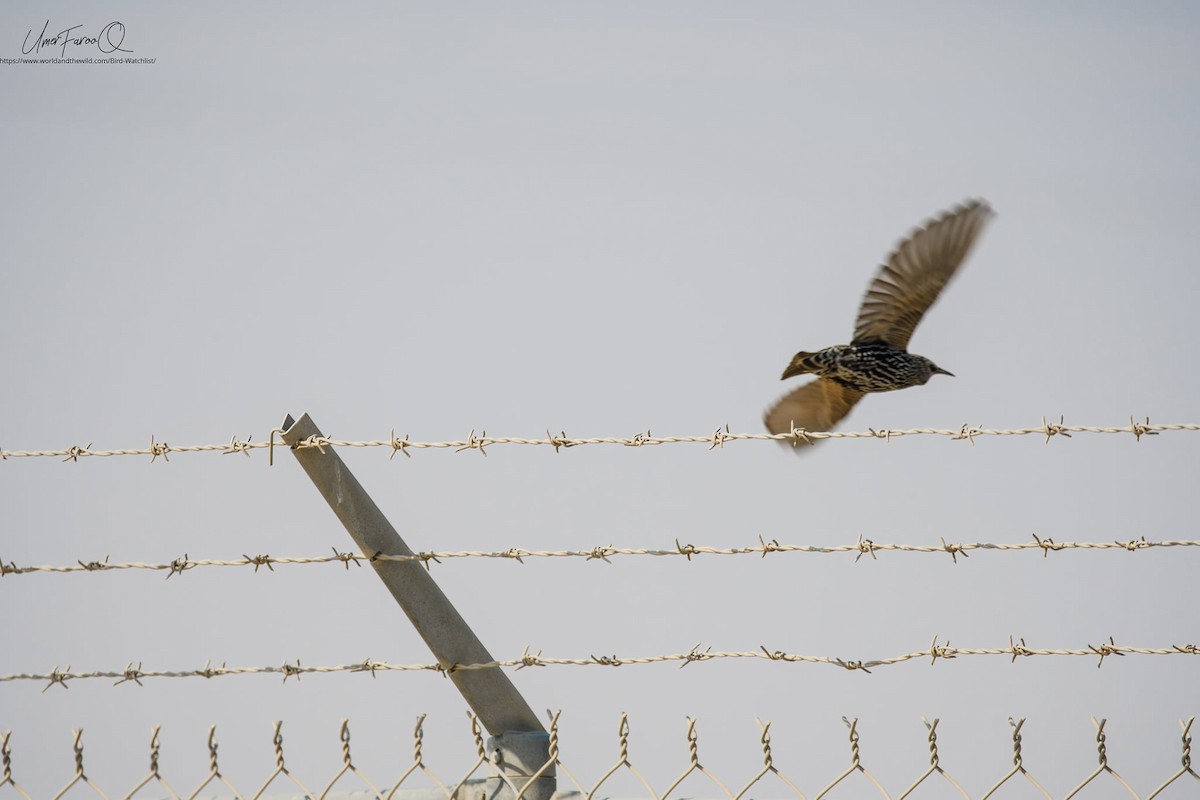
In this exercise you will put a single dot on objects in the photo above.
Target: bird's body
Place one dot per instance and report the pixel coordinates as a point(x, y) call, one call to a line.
point(877, 358)
point(866, 367)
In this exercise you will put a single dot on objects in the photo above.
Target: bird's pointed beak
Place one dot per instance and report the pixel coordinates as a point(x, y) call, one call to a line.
point(797, 366)
point(939, 371)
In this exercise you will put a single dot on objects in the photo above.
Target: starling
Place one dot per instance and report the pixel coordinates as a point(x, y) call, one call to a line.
point(877, 358)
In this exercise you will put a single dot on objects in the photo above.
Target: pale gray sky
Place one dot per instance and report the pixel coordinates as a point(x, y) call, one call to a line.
point(598, 218)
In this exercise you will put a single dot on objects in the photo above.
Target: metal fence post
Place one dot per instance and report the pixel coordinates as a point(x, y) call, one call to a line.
point(520, 745)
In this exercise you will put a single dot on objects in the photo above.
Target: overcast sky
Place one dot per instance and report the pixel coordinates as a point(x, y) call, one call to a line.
point(599, 219)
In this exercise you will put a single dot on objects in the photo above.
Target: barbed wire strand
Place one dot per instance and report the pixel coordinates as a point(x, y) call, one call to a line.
point(623, 762)
point(862, 547)
point(935, 652)
point(718, 438)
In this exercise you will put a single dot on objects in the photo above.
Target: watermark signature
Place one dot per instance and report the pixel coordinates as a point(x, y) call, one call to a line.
point(110, 39)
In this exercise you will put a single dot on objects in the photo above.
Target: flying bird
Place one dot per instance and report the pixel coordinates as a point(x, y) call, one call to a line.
point(877, 358)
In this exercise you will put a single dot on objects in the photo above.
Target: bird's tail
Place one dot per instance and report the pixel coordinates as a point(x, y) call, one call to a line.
point(802, 363)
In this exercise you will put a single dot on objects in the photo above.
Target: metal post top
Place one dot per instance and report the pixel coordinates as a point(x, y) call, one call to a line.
point(489, 692)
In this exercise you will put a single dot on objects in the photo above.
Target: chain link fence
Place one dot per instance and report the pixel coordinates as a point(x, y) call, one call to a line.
point(416, 779)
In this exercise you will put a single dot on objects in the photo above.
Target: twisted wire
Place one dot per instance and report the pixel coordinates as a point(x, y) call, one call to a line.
point(936, 651)
point(1183, 780)
point(718, 438)
point(861, 547)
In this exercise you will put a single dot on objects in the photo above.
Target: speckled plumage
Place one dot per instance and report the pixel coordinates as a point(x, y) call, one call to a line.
point(877, 358)
point(868, 367)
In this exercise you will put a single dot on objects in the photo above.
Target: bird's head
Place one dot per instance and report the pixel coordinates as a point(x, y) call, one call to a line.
point(799, 365)
point(934, 369)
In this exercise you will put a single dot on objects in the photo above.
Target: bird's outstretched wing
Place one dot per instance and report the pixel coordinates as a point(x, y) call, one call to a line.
point(915, 274)
point(816, 406)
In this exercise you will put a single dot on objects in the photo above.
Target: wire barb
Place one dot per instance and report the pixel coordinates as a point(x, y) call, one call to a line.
point(160, 449)
point(398, 445)
point(475, 443)
point(1139, 429)
point(74, 452)
point(179, 566)
point(236, 446)
point(719, 438)
point(131, 673)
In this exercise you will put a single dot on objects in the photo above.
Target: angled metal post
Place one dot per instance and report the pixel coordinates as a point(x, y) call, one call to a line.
point(489, 692)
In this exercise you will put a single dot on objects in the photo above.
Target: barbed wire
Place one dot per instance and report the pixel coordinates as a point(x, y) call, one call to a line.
point(934, 652)
point(555, 764)
point(862, 547)
point(717, 438)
